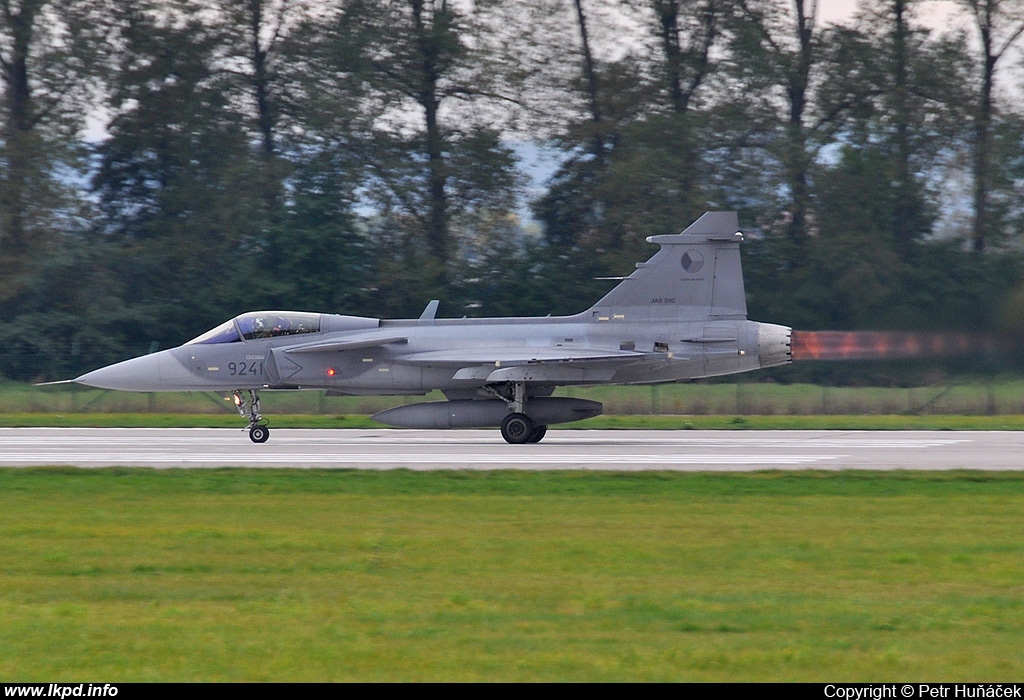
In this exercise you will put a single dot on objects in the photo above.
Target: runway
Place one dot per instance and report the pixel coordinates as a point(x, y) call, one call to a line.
point(612, 450)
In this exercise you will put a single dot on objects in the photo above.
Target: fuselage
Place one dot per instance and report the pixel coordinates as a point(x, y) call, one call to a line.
point(358, 355)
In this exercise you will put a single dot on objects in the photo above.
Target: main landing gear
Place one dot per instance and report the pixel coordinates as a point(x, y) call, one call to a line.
point(249, 408)
point(518, 428)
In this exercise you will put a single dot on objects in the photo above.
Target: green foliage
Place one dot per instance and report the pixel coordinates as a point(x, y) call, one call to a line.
point(67, 314)
point(357, 160)
point(172, 182)
point(858, 275)
point(318, 257)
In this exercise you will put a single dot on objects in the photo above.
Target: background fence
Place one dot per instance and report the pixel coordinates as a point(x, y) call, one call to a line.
point(994, 397)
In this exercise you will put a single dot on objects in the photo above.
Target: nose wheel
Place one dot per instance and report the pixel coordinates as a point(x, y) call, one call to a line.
point(259, 433)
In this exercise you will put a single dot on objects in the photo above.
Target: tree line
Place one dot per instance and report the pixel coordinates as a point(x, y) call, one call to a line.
point(167, 164)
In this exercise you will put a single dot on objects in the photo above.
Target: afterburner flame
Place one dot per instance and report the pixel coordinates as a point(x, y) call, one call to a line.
point(883, 345)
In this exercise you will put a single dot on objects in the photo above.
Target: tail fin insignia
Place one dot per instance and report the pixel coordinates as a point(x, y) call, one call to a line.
point(695, 276)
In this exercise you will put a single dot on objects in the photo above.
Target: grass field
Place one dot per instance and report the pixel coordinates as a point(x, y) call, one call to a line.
point(252, 575)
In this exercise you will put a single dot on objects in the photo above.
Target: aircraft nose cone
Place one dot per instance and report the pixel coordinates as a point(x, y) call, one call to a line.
point(157, 372)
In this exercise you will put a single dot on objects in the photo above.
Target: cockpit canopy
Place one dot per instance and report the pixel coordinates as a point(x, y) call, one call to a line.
point(260, 324)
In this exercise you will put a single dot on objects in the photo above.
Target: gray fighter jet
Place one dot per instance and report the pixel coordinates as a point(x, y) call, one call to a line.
point(681, 315)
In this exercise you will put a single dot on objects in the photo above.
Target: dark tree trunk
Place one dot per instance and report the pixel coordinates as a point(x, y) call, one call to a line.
point(261, 79)
point(427, 41)
point(983, 135)
point(18, 131)
point(799, 160)
point(598, 146)
point(680, 88)
point(904, 211)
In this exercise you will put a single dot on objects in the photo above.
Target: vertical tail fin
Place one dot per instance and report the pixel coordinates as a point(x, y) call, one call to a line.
point(695, 276)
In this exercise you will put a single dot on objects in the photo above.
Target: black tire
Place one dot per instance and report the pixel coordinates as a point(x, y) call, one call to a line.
point(517, 428)
point(259, 433)
point(538, 433)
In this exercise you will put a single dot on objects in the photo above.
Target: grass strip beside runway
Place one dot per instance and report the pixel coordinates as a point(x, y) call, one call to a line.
point(254, 575)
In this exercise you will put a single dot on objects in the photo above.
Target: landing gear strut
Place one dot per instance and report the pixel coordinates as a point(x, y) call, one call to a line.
point(249, 408)
point(518, 428)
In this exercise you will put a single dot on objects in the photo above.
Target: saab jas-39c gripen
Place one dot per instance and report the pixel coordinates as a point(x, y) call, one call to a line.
point(681, 315)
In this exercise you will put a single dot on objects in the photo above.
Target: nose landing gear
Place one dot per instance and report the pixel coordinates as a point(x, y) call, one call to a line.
point(249, 408)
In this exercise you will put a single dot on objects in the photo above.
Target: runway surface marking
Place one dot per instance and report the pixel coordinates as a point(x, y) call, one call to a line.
point(436, 460)
point(465, 449)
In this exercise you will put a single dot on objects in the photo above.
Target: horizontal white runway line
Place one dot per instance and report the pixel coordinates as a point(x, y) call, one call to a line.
point(618, 450)
point(438, 459)
point(551, 440)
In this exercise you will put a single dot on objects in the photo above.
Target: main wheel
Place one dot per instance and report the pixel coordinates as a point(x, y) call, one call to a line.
point(259, 433)
point(538, 433)
point(517, 428)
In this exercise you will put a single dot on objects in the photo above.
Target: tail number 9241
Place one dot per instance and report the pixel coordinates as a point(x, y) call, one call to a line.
point(245, 369)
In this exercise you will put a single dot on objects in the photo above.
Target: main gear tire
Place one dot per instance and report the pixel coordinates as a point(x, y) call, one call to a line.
point(517, 428)
point(538, 433)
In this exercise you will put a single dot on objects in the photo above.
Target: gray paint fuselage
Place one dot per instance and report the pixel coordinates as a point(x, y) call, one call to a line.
point(653, 351)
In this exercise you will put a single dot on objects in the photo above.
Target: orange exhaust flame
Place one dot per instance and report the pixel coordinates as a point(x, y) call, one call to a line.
point(884, 345)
